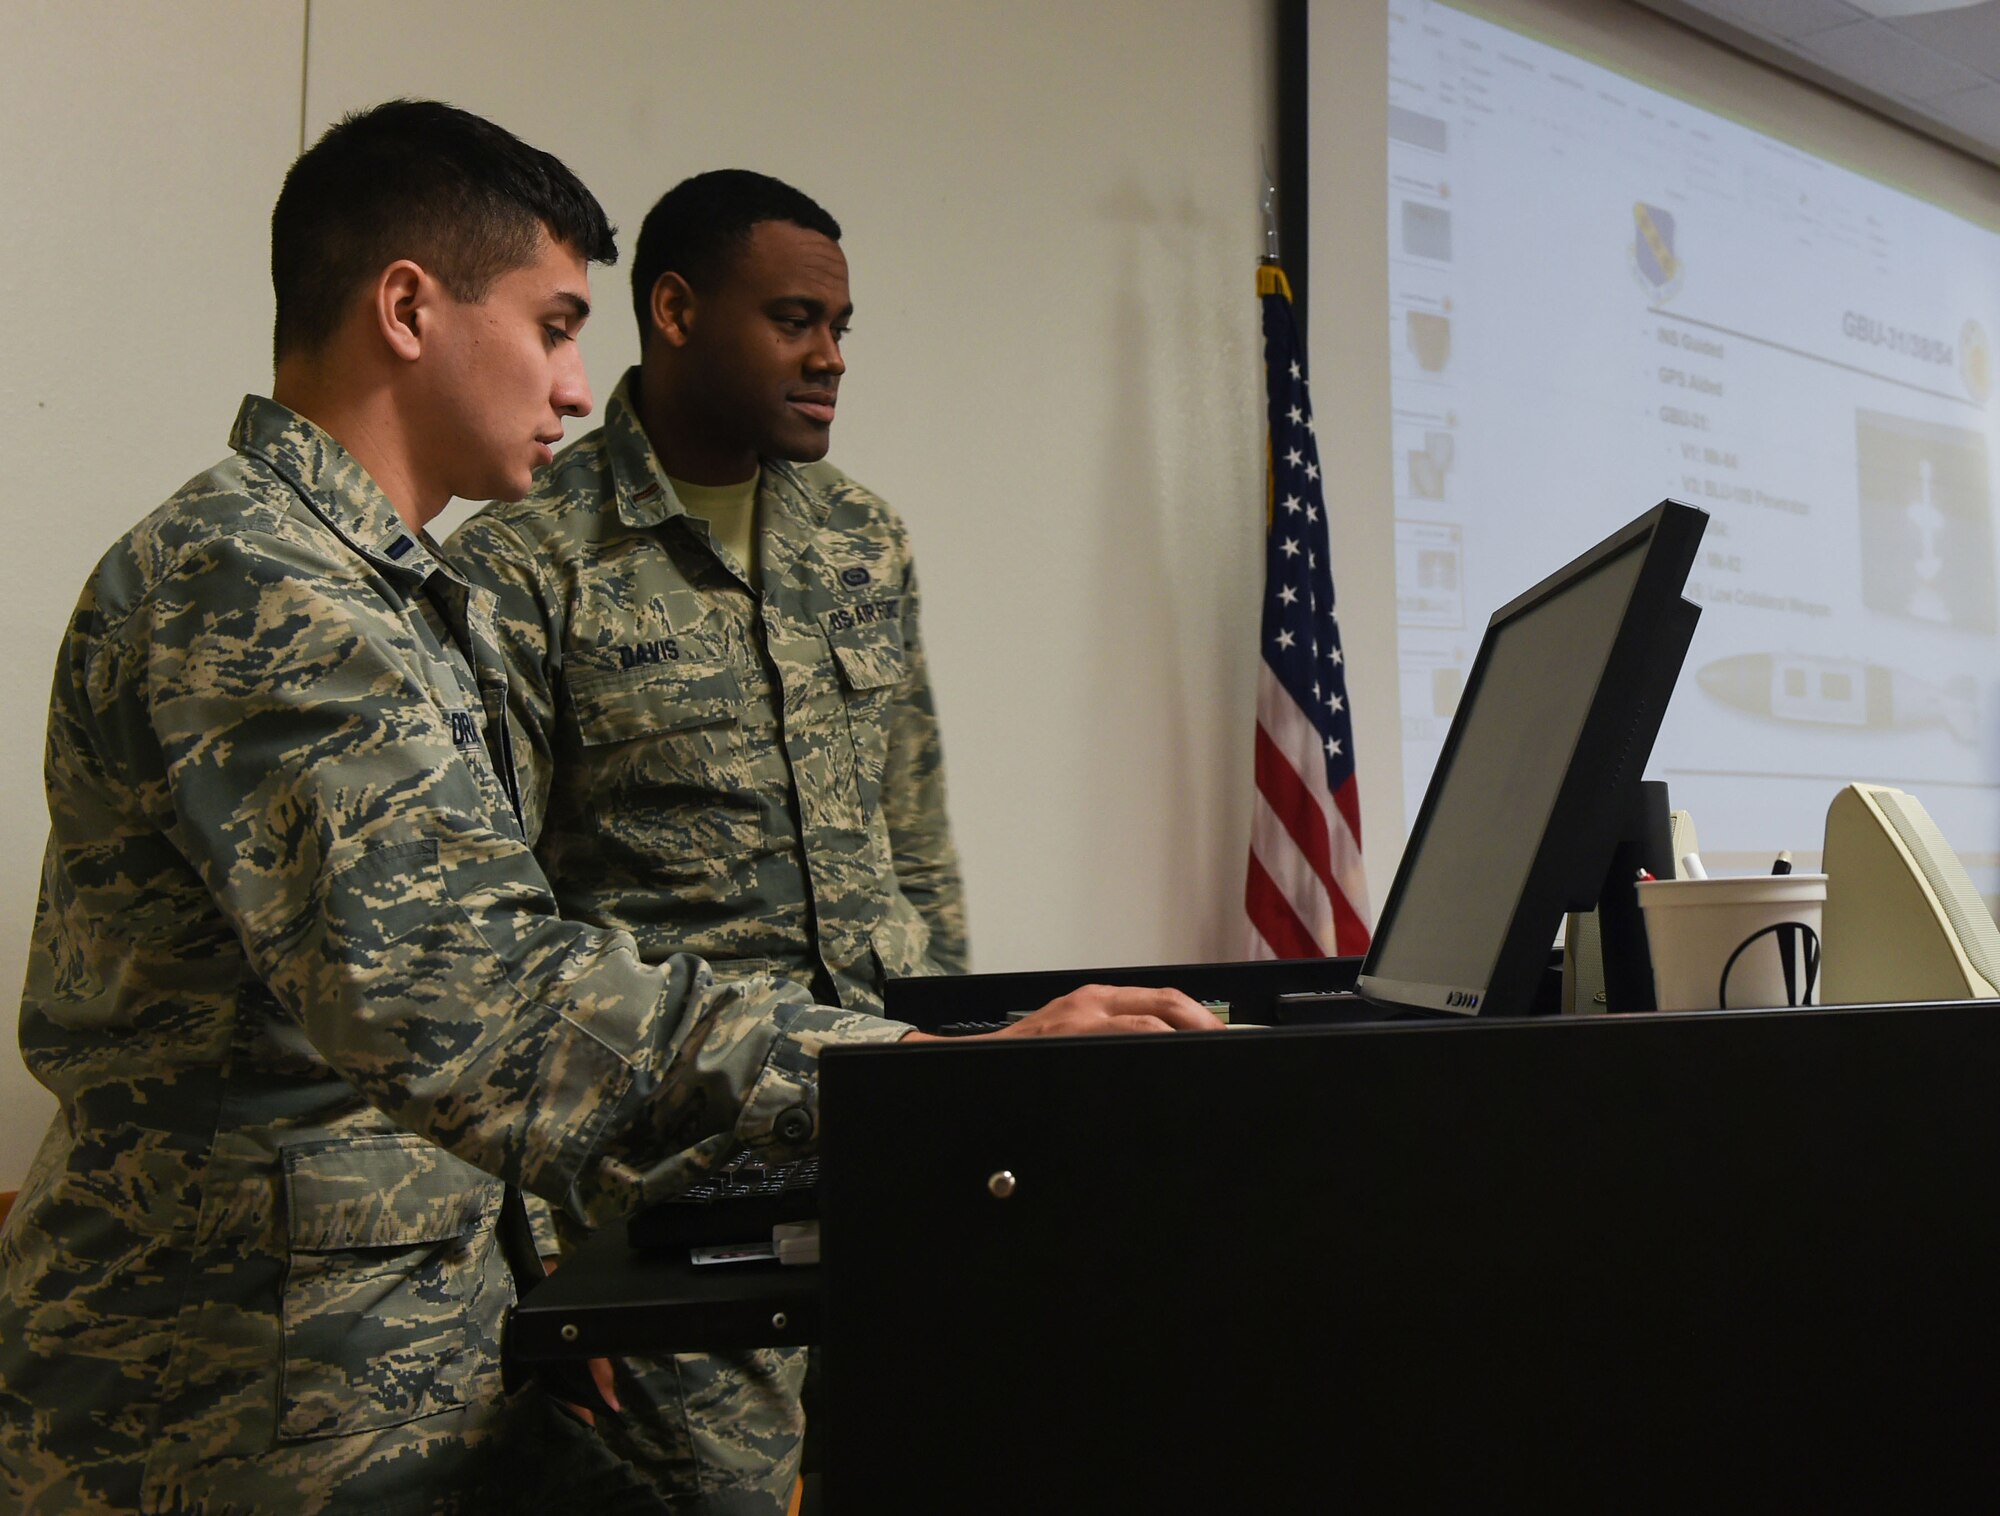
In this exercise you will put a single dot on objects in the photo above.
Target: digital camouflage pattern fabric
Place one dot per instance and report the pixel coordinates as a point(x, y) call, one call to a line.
point(751, 773)
point(735, 763)
point(302, 992)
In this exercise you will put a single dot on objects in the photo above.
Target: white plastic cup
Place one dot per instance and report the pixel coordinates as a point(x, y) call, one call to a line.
point(1734, 944)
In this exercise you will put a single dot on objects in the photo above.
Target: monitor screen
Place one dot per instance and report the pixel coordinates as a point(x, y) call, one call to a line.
point(1526, 803)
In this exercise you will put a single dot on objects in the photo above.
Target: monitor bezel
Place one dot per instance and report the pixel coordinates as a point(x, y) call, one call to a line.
point(1623, 719)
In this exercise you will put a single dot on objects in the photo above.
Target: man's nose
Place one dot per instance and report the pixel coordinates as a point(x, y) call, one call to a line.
point(826, 356)
point(572, 388)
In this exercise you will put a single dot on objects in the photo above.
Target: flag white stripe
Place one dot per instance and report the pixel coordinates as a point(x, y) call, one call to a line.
point(1349, 877)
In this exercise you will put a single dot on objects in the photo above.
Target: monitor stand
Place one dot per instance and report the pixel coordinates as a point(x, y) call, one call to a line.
point(1645, 841)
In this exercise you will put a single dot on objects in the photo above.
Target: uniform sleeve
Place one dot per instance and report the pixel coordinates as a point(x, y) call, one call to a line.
point(913, 804)
point(272, 708)
point(528, 623)
point(542, 1223)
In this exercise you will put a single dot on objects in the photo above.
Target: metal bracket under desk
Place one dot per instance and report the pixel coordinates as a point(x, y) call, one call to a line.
point(608, 1300)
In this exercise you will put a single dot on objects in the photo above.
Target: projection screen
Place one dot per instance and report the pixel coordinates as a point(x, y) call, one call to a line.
point(1600, 293)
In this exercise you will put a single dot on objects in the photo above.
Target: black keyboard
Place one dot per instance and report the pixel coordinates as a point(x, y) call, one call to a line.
point(739, 1202)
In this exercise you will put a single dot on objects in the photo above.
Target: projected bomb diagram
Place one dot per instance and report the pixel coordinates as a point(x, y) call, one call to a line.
point(1926, 540)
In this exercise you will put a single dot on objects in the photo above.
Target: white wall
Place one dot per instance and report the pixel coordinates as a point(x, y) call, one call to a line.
point(1051, 212)
point(143, 148)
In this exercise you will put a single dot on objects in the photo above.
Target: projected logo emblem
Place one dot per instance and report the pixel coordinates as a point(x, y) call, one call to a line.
point(1975, 361)
point(1658, 266)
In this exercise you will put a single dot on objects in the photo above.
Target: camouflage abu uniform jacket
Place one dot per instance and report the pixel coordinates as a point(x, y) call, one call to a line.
point(300, 990)
point(753, 775)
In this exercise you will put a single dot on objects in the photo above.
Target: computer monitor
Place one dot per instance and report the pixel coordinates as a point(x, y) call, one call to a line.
point(1533, 789)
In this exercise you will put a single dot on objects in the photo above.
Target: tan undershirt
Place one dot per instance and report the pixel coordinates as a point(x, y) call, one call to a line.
point(731, 513)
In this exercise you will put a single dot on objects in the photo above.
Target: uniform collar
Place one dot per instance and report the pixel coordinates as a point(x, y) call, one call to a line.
point(334, 486)
point(644, 493)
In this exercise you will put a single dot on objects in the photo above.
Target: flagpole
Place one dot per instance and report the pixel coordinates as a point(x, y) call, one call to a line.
point(1270, 216)
point(1269, 277)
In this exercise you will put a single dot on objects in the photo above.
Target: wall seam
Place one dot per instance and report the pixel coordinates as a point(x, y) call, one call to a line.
point(305, 69)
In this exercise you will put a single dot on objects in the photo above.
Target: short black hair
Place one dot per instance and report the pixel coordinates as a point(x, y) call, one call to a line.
point(699, 225)
point(417, 179)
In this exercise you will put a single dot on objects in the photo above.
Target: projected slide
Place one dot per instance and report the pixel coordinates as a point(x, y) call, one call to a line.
point(1602, 295)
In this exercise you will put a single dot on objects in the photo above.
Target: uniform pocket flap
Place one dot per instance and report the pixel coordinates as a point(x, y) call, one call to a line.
point(871, 657)
point(381, 1192)
point(619, 705)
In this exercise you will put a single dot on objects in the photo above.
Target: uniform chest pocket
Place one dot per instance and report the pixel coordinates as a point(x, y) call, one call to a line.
point(663, 749)
point(870, 657)
point(872, 664)
point(650, 699)
point(393, 1298)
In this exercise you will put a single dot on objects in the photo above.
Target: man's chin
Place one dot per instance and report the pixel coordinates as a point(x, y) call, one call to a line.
point(510, 489)
point(807, 446)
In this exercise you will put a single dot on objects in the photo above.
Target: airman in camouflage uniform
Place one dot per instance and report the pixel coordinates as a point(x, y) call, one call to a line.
point(288, 924)
point(734, 758)
point(748, 773)
point(302, 991)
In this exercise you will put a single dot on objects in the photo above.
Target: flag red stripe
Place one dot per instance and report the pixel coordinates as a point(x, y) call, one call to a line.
point(1273, 917)
point(1348, 800)
point(1293, 804)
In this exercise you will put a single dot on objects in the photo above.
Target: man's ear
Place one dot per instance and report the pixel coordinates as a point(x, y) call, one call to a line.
point(404, 294)
point(672, 309)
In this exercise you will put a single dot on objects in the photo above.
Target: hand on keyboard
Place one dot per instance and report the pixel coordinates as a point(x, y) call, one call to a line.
point(1100, 1008)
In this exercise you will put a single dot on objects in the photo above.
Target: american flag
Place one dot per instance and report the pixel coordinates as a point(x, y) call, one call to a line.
point(1307, 896)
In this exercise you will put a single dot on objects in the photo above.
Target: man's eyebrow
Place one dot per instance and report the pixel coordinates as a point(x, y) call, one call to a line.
point(578, 306)
point(813, 306)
